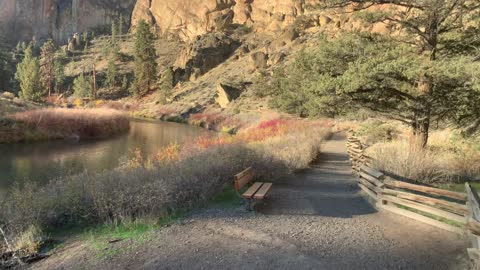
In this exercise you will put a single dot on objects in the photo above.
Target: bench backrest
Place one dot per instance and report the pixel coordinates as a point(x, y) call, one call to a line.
point(243, 178)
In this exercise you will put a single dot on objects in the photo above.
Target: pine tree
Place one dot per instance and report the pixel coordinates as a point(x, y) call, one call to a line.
point(47, 66)
point(28, 75)
point(111, 79)
point(82, 86)
point(145, 59)
point(59, 70)
point(165, 86)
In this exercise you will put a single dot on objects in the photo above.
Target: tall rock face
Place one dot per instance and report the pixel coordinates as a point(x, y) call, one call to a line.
point(190, 18)
point(20, 20)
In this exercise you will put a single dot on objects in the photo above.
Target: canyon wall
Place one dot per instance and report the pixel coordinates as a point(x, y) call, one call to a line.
point(20, 20)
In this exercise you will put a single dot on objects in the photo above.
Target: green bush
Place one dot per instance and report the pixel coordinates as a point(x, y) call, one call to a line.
point(374, 131)
point(82, 86)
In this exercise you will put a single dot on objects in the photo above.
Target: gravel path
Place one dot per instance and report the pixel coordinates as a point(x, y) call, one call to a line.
point(314, 220)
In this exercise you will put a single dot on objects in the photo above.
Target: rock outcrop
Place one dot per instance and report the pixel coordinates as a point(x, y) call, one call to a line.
point(190, 18)
point(203, 54)
point(20, 20)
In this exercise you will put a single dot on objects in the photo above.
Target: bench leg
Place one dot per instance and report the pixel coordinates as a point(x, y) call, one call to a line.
point(250, 205)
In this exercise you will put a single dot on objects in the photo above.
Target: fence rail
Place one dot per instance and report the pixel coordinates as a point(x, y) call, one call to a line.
point(457, 212)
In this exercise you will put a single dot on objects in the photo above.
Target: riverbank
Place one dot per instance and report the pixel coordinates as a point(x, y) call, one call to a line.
point(50, 124)
point(153, 187)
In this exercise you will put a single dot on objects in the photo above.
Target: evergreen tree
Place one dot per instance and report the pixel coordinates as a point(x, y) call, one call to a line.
point(5, 66)
point(111, 79)
point(165, 86)
point(85, 41)
point(114, 33)
point(428, 71)
point(28, 75)
point(125, 84)
point(47, 66)
point(59, 70)
point(85, 38)
point(82, 86)
point(120, 25)
point(145, 55)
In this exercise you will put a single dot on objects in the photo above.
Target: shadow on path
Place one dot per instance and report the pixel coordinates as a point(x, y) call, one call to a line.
point(327, 189)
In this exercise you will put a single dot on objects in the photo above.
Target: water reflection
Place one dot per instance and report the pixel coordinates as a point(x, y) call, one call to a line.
point(41, 162)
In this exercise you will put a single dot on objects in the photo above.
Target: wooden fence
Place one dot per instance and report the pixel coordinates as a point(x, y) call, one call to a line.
point(457, 212)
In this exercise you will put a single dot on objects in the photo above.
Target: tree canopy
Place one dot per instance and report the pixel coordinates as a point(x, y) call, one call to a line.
point(427, 69)
point(145, 59)
point(47, 66)
point(28, 75)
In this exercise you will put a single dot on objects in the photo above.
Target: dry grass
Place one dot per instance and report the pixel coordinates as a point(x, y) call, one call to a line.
point(81, 123)
point(448, 158)
point(177, 178)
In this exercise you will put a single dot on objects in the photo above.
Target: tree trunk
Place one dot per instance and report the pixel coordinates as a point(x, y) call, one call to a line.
point(423, 131)
point(94, 82)
point(421, 128)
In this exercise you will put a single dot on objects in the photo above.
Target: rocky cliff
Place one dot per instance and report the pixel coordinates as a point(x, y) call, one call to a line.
point(58, 19)
point(191, 18)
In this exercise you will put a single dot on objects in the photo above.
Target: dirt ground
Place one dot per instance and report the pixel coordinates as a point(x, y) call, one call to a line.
point(317, 219)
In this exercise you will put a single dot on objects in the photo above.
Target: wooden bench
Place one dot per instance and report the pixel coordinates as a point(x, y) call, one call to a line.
point(256, 192)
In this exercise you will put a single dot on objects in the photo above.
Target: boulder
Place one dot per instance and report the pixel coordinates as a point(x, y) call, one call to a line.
point(226, 94)
point(8, 95)
point(258, 60)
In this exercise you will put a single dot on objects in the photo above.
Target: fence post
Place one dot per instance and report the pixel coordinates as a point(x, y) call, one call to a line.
point(473, 224)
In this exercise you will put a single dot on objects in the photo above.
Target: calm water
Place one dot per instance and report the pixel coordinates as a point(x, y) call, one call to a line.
point(41, 162)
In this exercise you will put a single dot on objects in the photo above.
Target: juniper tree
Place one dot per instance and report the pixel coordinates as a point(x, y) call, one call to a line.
point(28, 75)
point(145, 59)
point(47, 66)
point(428, 69)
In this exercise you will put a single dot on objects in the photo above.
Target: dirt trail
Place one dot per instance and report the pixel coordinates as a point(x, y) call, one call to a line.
point(313, 220)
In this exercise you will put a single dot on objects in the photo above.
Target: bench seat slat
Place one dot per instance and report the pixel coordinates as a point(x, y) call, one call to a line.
point(262, 192)
point(254, 188)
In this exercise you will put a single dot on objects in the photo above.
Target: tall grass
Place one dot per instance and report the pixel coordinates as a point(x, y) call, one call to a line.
point(177, 178)
point(83, 123)
point(448, 158)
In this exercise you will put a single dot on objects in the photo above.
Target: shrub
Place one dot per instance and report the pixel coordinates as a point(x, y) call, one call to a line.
point(82, 86)
point(150, 188)
point(376, 131)
point(84, 123)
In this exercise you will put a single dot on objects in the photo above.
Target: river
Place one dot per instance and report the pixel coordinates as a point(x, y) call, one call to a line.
point(40, 162)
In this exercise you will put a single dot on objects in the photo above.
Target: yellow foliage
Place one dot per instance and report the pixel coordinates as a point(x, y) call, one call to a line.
point(99, 102)
point(78, 103)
